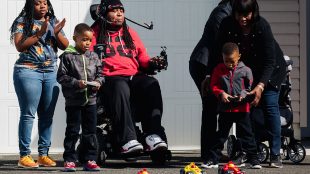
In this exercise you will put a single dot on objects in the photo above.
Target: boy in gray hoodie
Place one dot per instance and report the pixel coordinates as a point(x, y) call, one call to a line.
point(80, 75)
point(229, 82)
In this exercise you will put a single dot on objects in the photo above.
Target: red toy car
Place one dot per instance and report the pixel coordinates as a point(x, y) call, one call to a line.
point(143, 171)
point(230, 168)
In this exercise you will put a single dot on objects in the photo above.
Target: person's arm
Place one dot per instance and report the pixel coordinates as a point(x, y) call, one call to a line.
point(23, 44)
point(142, 55)
point(215, 58)
point(62, 41)
point(63, 76)
point(215, 84)
point(268, 52)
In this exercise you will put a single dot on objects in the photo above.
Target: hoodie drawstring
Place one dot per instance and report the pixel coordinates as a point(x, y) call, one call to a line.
point(120, 39)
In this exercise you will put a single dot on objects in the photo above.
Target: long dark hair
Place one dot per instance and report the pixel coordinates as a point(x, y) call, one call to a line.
point(27, 14)
point(244, 7)
point(103, 26)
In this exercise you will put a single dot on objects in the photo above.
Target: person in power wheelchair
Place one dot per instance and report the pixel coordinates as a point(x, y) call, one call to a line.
point(128, 94)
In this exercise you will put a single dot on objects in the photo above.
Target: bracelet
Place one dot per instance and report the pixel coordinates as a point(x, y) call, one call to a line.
point(260, 87)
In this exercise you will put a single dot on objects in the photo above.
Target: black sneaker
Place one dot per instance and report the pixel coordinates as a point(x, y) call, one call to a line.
point(209, 165)
point(275, 161)
point(255, 164)
point(240, 160)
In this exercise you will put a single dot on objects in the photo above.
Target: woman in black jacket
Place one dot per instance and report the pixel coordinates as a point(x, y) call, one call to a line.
point(262, 54)
point(200, 74)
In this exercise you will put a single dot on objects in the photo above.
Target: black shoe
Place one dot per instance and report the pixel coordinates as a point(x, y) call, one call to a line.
point(255, 164)
point(275, 161)
point(240, 160)
point(209, 165)
point(224, 159)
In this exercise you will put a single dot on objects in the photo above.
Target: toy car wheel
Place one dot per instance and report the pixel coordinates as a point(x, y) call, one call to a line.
point(263, 152)
point(230, 146)
point(296, 152)
point(102, 156)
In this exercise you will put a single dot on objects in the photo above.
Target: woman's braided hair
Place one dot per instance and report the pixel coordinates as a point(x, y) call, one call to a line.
point(27, 14)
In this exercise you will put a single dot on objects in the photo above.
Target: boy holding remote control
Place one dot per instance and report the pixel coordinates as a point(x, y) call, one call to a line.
point(230, 81)
point(80, 75)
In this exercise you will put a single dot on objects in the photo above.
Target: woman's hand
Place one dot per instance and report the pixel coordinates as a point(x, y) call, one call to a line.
point(257, 92)
point(59, 26)
point(43, 29)
point(62, 41)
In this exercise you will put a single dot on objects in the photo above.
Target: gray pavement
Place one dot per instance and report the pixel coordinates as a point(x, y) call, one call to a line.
point(179, 160)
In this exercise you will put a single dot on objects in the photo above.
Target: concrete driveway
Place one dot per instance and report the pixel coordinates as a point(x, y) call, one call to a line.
point(179, 160)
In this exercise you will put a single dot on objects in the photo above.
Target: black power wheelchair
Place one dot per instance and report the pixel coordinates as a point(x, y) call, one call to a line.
point(292, 149)
point(108, 148)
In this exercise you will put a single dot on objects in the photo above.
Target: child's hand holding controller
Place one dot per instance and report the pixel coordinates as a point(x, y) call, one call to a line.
point(225, 98)
point(82, 84)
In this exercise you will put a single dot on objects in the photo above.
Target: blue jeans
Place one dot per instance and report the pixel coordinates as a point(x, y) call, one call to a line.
point(270, 103)
point(36, 92)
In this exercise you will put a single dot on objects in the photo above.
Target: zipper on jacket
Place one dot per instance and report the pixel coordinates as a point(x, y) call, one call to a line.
point(231, 84)
point(85, 73)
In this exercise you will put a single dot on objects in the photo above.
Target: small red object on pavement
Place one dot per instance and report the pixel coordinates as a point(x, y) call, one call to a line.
point(143, 171)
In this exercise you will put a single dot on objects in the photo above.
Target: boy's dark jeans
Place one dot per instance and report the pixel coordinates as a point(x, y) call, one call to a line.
point(244, 134)
point(85, 116)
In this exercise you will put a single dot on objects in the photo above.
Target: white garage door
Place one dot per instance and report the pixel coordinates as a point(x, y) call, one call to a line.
point(178, 24)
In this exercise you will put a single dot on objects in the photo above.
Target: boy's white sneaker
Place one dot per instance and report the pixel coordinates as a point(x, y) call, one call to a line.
point(154, 142)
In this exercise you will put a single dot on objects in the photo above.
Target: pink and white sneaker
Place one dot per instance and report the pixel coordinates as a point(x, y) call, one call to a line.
point(69, 167)
point(91, 166)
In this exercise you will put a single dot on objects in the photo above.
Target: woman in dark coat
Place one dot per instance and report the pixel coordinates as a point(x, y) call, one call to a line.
point(201, 74)
point(262, 54)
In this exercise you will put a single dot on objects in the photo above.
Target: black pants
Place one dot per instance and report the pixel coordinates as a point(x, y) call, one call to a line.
point(129, 100)
point(209, 110)
point(244, 133)
point(85, 116)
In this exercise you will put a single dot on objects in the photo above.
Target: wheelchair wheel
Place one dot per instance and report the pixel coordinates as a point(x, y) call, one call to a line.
point(102, 157)
point(296, 152)
point(230, 146)
point(160, 157)
point(263, 152)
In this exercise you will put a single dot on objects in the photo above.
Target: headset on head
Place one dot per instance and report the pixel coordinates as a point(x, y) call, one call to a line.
point(97, 11)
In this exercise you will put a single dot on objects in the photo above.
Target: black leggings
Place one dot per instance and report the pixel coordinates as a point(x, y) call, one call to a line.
point(209, 110)
point(129, 100)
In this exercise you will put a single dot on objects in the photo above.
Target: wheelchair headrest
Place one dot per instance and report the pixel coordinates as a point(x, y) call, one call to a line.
point(94, 10)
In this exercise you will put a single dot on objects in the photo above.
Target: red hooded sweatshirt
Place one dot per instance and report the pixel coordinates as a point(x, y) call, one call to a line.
point(119, 60)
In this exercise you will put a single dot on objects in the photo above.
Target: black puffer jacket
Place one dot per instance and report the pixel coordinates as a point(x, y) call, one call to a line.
point(206, 44)
point(74, 67)
point(259, 50)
